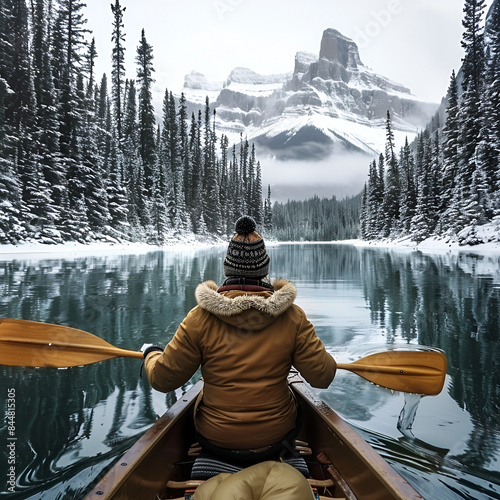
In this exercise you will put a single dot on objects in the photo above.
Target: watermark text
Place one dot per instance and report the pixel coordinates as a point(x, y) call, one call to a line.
point(11, 440)
point(223, 7)
point(380, 19)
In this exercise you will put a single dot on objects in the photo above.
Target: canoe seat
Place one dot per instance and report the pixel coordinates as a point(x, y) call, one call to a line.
point(206, 466)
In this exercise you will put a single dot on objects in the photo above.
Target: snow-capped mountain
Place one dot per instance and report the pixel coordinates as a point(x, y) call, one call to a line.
point(330, 102)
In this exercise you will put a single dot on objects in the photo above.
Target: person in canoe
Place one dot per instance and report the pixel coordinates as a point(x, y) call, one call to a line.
point(246, 334)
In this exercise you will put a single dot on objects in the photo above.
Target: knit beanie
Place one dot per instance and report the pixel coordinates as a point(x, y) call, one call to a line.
point(246, 254)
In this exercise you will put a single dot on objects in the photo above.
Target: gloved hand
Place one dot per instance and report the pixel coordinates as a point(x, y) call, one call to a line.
point(144, 347)
point(147, 348)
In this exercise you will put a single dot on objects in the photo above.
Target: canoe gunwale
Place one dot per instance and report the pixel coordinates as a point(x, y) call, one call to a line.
point(361, 453)
point(114, 483)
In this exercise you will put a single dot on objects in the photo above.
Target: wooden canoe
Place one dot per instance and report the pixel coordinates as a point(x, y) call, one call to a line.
point(157, 467)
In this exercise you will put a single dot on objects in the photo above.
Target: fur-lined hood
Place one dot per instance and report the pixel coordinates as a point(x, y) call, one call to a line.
point(229, 309)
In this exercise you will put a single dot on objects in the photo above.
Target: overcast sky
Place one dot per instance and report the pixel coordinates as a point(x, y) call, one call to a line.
point(414, 42)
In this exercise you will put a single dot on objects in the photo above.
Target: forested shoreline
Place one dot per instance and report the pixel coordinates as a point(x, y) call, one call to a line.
point(316, 219)
point(80, 162)
point(449, 178)
point(86, 159)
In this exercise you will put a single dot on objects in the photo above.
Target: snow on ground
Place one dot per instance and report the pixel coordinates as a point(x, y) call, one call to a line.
point(479, 239)
point(74, 249)
point(485, 239)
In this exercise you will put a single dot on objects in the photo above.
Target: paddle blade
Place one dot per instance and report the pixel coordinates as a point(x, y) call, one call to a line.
point(417, 372)
point(29, 343)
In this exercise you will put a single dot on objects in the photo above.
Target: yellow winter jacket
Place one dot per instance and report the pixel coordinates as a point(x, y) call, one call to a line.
point(246, 343)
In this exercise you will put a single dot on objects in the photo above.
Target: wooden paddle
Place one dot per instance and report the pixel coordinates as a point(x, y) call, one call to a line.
point(29, 343)
point(418, 372)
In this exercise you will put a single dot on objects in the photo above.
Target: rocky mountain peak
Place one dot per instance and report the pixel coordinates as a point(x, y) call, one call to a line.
point(337, 47)
point(331, 101)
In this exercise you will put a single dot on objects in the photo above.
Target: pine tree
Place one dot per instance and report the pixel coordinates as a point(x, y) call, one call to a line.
point(392, 184)
point(77, 226)
point(487, 155)
point(71, 43)
point(47, 125)
point(235, 187)
point(451, 149)
point(488, 147)
point(196, 154)
point(244, 180)
point(469, 113)
point(159, 217)
point(422, 224)
point(6, 49)
point(118, 63)
point(207, 148)
point(268, 212)
point(435, 180)
point(213, 215)
point(473, 44)
point(224, 189)
point(20, 102)
point(257, 193)
point(363, 216)
point(408, 195)
point(184, 163)
point(373, 203)
point(78, 175)
point(492, 89)
point(193, 154)
point(250, 183)
point(95, 195)
point(74, 33)
point(132, 164)
point(147, 121)
point(103, 126)
point(116, 192)
point(168, 152)
point(90, 67)
point(57, 48)
point(177, 207)
point(381, 215)
point(20, 79)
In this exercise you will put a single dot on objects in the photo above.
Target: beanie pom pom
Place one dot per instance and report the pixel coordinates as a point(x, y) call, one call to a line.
point(245, 225)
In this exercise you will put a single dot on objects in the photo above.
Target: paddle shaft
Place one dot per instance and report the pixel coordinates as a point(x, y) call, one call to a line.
point(31, 343)
point(112, 351)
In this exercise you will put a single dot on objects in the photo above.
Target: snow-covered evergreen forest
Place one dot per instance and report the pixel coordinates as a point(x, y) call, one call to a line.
point(449, 178)
point(316, 219)
point(84, 159)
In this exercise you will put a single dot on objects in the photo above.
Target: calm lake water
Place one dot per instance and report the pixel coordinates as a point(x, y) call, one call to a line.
point(70, 424)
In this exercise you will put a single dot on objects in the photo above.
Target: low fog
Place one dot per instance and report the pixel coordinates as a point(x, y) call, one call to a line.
point(340, 175)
